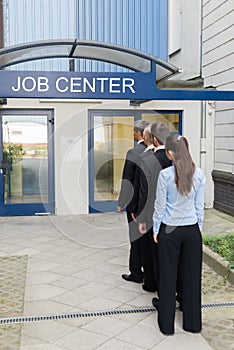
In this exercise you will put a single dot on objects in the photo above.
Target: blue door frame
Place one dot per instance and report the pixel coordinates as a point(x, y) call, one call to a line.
point(102, 206)
point(111, 205)
point(22, 209)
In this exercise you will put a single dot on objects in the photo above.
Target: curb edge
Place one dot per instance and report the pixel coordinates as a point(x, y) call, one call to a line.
point(219, 264)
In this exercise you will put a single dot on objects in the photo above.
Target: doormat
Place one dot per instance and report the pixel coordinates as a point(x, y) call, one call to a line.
point(12, 285)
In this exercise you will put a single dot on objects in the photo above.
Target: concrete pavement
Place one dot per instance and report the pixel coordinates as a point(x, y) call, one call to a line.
point(61, 265)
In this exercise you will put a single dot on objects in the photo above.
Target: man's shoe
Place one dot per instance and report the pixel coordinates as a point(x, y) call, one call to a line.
point(155, 303)
point(166, 333)
point(129, 278)
point(152, 290)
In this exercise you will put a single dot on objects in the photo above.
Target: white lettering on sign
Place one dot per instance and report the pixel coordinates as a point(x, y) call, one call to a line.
point(99, 84)
point(43, 84)
point(102, 80)
point(90, 86)
point(115, 85)
point(29, 84)
point(128, 85)
point(57, 84)
point(112, 85)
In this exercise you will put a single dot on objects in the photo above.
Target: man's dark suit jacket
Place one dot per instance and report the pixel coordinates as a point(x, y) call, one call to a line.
point(126, 196)
point(150, 166)
point(139, 173)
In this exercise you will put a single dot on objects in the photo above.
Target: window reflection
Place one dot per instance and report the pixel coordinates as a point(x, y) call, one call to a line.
point(113, 137)
point(25, 158)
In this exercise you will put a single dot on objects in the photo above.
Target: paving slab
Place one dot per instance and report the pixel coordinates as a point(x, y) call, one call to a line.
point(73, 264)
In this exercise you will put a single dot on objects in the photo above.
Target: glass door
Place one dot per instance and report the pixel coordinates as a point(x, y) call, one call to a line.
point(26, 173)
point(110, 137)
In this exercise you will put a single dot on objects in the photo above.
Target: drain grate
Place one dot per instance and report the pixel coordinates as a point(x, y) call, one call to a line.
point(24, 319)
point(218, 305)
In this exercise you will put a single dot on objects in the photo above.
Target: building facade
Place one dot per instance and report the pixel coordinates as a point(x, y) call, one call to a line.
point(66, 156)
point(218, 71)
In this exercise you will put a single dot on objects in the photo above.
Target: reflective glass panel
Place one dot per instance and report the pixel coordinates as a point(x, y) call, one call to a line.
point(113, 136)
point(25, 158)
point(171, 119)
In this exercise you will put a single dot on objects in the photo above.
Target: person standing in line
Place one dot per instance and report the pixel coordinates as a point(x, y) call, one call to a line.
point(147, 258)
point(150, 169)
point(126, 199)
point(151, 164)
point(178, 217)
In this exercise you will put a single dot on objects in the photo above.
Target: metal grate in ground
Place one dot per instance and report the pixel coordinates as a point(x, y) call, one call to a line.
point(24, 319)
point(218, 315)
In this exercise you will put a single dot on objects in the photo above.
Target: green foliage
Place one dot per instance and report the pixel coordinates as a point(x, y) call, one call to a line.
point(13, 152)
point(223, 245)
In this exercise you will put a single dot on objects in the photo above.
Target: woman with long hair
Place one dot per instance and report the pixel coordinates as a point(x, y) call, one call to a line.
point(178, 217)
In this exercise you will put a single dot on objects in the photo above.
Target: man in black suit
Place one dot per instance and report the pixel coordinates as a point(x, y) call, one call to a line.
point(146, 256)
point(150, 167)
point(126, 199)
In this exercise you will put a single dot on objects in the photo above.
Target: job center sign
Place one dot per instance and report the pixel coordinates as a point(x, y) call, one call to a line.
point(14, 84)
point(75, 85)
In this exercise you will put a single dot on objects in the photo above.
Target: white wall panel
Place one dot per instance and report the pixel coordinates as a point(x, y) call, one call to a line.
point(223, 143)
point(217, 13)
point(212, 5)
point(221, 65)
point(188, 55)
point(219, 26)
point(224, 105)
point(218, 40)
point(223, 78)
point(223, 167)
point(219, 52)
point(224, 156)
point(224, 130)
point(225, 116)
point(227, 86)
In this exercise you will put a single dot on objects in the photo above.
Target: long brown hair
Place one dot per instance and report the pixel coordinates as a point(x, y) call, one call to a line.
point(183, 163)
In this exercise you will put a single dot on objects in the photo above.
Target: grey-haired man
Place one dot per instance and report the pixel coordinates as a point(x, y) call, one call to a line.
point(126, 200)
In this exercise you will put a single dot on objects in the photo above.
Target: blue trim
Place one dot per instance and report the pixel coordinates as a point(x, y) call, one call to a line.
point(91, 160)
point(25, 209)
point(101, 206)
point(18, 209)
point(51, 174)
point(180, 122)
point(163, 29)
point(125, 86)
point(111, 206)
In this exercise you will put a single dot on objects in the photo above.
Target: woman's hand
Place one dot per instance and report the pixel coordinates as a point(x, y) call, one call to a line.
point(155, 235)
